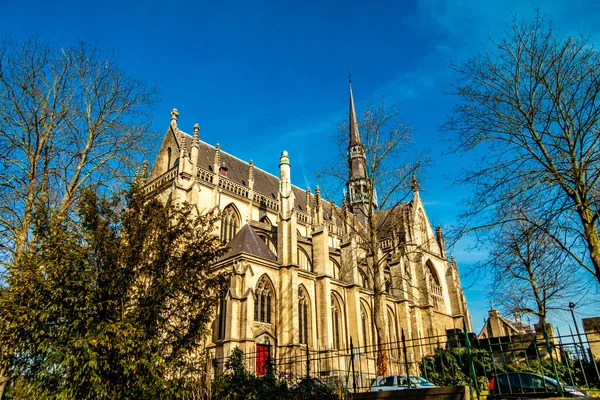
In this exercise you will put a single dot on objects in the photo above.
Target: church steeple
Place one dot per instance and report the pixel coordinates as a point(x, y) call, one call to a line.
point(358, 190)
point(354, 135)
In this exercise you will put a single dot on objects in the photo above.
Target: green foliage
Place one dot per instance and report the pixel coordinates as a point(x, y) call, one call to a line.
point(238, 384)
point(311, 388)
point(451, 367)
point(112, 302)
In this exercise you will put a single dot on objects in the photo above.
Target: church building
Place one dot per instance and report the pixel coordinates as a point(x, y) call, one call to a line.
point(295, 278)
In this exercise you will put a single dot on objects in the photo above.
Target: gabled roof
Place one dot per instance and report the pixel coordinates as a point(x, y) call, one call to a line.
point(247, 241)
point(268, 184)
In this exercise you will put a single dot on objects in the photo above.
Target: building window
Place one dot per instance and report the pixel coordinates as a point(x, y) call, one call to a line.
point(303, 260)
point(436, 292)
point(365, 328)
point(269, 243)
point(392, 333)
point(230, 223)
point(303, 315)
point(263, 300)
point(336, 320)
point(364, 281)
point(222, 316)
point(387, 281)
point(335, 267)
point(168, 158)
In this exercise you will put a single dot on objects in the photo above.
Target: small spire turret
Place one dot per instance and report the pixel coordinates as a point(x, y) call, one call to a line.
point(196, 137)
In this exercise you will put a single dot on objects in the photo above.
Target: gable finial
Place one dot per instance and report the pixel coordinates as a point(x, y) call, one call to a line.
point(415, 184)
point(174, 116)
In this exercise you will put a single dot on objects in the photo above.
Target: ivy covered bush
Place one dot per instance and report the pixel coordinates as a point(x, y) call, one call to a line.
point(239, 384)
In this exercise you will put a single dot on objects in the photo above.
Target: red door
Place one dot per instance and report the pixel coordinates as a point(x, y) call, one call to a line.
point(262, 354)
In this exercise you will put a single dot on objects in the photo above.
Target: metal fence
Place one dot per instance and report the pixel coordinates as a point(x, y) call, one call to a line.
point(456, 358)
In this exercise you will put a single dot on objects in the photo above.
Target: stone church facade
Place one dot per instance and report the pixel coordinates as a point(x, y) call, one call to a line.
point(295, 278)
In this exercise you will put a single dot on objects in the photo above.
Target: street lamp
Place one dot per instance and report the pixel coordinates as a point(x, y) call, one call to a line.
point(571, 307)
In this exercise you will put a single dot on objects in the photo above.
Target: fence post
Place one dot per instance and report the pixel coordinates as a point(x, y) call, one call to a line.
point(583, 355)
point(348, 373)
point(352, 362)
point(405, 358)
point(472, 379)
point(307, 363)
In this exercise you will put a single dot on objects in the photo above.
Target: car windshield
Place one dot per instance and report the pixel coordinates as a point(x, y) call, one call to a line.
point(552, 381)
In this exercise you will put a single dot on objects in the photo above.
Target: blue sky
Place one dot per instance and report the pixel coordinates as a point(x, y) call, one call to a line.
point(263, 76)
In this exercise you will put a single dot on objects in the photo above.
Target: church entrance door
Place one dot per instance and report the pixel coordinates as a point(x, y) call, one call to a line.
point(262, 354)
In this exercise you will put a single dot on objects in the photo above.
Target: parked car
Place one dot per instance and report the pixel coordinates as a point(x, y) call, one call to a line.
point(517, 385)
point(399, 382)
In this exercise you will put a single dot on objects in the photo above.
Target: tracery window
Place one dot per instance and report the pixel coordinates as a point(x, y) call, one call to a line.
point(263, 300)
point(230, 223)
point(436, 292)
point(303, 315)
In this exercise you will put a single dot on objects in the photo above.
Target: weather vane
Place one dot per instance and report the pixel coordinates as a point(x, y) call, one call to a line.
point(349, 76)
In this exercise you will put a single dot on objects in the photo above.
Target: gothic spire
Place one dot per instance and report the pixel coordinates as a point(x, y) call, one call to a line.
point(358, 192)
point(354, 135)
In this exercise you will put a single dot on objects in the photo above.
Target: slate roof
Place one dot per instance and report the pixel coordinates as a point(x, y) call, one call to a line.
point(247, 241)
point(237, 171)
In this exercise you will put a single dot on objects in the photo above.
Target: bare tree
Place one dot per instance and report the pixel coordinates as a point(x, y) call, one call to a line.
point(531, 108)
point(532, 273)
point(376, 170)
point(69, 117)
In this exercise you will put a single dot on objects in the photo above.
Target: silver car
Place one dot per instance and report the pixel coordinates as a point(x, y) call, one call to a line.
point(399, 382)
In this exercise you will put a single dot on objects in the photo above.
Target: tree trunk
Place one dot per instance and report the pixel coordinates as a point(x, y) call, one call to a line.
point(378, 311)
point(590, 234)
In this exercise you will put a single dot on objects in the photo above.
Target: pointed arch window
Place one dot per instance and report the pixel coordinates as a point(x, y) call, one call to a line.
point(303, 260)
point(337, 322)
point(222, 315)
point(263, 300)
point(436, 292)
point(168, 158)
point(267, 240)
point(387, 281)
point(392, 332)
point(364, 280)
point(365, 317)
point(230, 223)
point(303, 315)
point(335, 268)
